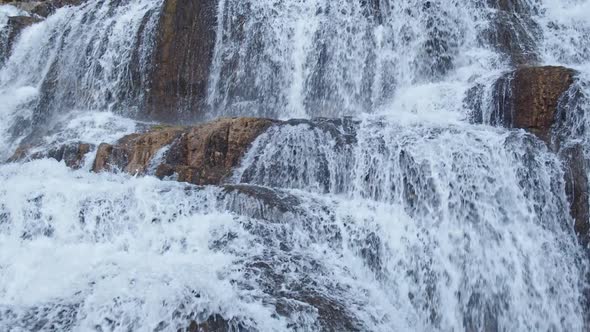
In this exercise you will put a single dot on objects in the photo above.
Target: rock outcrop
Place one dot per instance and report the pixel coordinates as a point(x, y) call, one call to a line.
point(183, 56)
point(133, 153)
point(203, 154)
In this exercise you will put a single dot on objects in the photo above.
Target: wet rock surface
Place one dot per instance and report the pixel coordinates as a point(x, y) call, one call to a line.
point(185, 43)
point(15, 25)
point(269, 202)
point(529, 98)
point(204, 154)
point(133, 152)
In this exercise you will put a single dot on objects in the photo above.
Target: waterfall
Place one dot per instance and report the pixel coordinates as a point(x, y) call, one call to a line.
point(79, 59)
point(389, 199)
point(326, 58)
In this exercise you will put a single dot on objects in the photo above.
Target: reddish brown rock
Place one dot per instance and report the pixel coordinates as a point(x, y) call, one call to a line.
point(536, 93)
point(529, 96)
point(133, 153)
point(204, 154)
point(184, 51)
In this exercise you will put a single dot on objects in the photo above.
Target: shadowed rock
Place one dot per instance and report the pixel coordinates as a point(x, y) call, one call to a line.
point(268, 201)
point(215, 323)
point(72, 154)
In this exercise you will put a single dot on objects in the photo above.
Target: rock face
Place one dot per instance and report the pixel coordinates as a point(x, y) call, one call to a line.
point(133, 152)
point(203, 154)
point(529, 98)
point(184, 51)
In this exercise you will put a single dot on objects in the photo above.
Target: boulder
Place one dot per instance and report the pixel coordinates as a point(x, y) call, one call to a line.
point(203, 154)
point(183, 56)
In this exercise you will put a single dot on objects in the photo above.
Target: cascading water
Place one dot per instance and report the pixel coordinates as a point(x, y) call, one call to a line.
point(399, 214)
point(326, 58)
point(81, 58)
